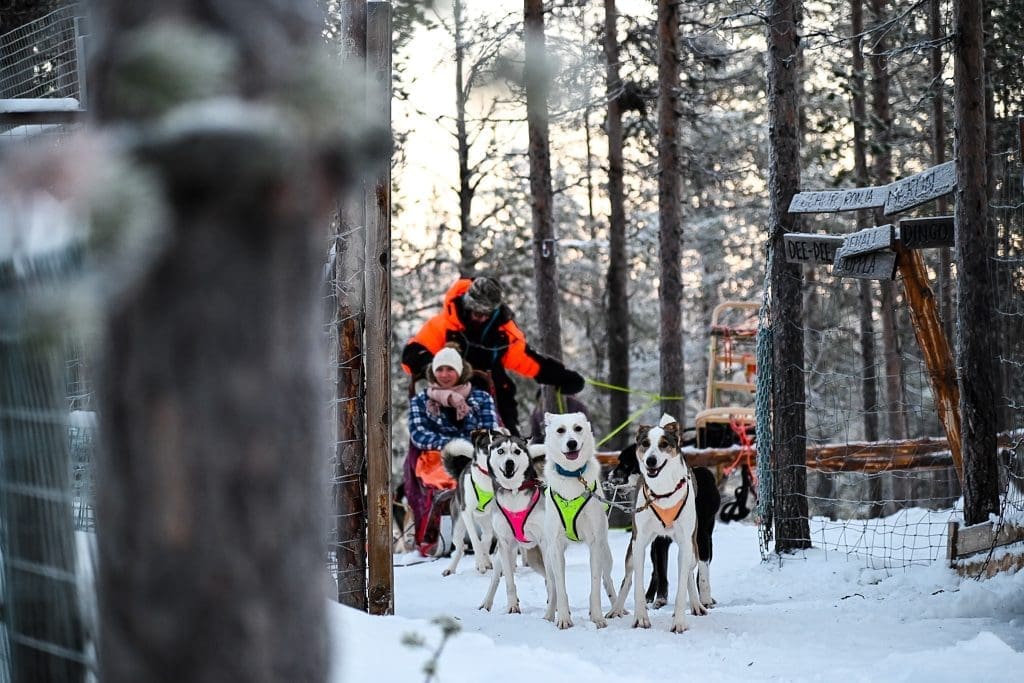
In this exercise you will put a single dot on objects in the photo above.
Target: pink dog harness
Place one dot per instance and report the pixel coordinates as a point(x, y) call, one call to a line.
point(517, 518)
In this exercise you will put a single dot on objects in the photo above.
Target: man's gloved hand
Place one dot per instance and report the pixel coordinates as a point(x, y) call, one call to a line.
point(571, 382)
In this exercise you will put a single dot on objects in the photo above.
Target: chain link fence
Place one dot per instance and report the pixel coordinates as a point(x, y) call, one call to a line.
point(41, 58)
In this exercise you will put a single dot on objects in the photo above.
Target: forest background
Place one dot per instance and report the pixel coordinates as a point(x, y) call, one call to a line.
point(876, 106)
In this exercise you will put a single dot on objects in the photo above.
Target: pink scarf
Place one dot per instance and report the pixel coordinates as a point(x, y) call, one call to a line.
point(454, 398)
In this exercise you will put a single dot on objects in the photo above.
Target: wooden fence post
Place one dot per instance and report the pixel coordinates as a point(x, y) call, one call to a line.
point(377, 351)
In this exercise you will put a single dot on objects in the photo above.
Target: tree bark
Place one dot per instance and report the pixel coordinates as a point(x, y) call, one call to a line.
point(618, 258)
point(869, 376)
point(545, 254)
point(350, 449)
point(882, 117)
point(212, 505)
point(467, 233)
point(788, 395)
point(670, 235)
point(975, 346)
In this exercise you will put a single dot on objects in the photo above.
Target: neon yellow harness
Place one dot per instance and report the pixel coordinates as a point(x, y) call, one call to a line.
point(483, 498)
point(569, 509)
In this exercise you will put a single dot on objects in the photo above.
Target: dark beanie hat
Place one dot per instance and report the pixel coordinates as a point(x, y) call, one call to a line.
point(483, 296)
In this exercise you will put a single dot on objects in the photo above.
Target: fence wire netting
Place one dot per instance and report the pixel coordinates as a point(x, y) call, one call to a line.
point(41, 58)
point(888, 500)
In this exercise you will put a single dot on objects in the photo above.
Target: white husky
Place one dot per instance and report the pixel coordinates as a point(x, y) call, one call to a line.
point(572, 473)
point(665, 506)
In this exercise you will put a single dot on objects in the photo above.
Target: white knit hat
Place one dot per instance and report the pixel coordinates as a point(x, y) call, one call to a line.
point(447, 357)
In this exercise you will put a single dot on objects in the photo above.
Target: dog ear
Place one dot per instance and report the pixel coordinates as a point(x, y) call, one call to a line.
point(641, 433)
point(480, 437)
point(547, 419)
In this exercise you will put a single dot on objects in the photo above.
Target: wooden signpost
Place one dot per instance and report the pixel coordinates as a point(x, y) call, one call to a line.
point(921, 233)
point(819, 250)
point(876, 253)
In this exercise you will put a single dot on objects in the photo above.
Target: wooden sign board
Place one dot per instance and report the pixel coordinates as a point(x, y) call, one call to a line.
point(805, 247)
point(866, 241)
point(922, 233)
point(839, 200)
point(921, 187)
point(878, 265)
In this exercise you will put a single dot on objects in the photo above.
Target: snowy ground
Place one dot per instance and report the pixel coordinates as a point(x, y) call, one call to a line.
point(815, 617)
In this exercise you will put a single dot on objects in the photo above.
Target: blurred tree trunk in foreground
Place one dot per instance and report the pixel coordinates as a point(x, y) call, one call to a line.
point(212, 493)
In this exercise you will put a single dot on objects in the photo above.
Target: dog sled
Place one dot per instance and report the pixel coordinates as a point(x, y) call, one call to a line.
point(728, 416)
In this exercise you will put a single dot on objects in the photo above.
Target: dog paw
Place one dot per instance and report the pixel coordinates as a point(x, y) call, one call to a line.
point(447, 572)
point(485, 606)
point(700, 610)
point(615, 613)
point(563, 622)
point(659, 603)
point(483, 567)
point(678, 627)
point(641, 622)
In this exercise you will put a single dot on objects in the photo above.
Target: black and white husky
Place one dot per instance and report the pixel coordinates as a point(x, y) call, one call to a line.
point(471, 506)
point(666, 506)
point(573, 513)
point(517, 515)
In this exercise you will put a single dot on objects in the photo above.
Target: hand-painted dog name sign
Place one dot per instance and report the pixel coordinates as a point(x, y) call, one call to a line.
point(803, 247)
point(921, 187)
point(878, 265)
point(833, 201)
point(867, 240)
point(921, 233)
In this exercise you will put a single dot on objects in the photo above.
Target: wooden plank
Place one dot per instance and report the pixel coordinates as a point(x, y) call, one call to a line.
point(866, 241)
point(878, 265)
point(377, 273)
point(984, 537)
point(923, 233)
point(833, 201)
point(819, 250)
point(921, 187)
point(938, 358)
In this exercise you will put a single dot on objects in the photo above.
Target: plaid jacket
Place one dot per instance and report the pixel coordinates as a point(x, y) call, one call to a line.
point(432, 432)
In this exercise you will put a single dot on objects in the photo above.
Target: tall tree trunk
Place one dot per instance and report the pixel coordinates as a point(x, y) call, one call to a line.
point(975, 345)
point(618, 259)
point(894, 394)
point(467, 233)
point(670, 235)
point(545, 255)
point(212, 508)
point(945, 275)
point(350, 449)
point(789, 468)
point(869, 376)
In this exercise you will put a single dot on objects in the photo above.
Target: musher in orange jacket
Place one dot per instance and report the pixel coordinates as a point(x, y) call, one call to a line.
point(475, 319)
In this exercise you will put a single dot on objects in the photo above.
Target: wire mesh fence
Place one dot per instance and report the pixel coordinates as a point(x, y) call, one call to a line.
point(41, 58)
point(889, 501)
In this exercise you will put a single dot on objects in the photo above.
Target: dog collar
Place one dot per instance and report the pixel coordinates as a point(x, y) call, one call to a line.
point(572, 474)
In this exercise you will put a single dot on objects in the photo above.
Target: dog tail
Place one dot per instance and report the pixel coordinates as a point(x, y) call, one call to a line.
point(456, 457)
point(666, 419)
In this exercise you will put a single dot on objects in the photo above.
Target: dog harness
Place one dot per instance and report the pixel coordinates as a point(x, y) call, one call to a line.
point(569, 508)
point(517, 518)
point(667, 516)
point(483, 497)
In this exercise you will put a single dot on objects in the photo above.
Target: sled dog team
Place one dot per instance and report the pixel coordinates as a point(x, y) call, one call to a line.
point(537, 499)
